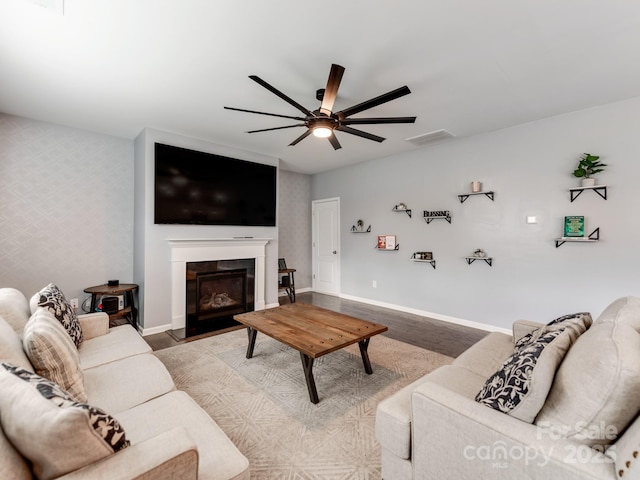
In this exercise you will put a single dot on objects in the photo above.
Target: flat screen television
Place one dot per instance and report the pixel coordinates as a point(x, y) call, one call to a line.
point(205, 189)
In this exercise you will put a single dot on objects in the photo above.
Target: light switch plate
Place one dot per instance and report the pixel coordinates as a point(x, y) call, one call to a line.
point(532, 219)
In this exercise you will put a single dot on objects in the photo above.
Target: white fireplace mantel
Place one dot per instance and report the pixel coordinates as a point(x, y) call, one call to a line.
point(211, 249)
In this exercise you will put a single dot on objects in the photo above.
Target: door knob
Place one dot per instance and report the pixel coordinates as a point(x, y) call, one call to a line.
point(335, 252)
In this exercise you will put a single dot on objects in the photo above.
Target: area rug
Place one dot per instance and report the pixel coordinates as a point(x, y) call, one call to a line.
point(263, 404)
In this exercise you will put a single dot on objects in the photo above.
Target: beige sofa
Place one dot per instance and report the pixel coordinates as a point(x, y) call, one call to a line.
point(587, 426)
point(170, 435)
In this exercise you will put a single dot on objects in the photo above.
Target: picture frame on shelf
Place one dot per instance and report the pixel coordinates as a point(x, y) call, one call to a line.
point(387, 242)
point(574, 226)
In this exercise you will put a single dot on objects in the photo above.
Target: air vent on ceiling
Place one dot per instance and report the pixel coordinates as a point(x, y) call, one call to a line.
point(56, 6)
point(430, 137)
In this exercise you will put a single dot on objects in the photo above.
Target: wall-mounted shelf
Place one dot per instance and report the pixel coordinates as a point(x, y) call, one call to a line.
point(355, 229)
point(599, 189)
point(429, 215)
point(464, 196)
point(402, 208)
point(593, 237)
point(397, 247)
point(423, 260)
point(488, 260)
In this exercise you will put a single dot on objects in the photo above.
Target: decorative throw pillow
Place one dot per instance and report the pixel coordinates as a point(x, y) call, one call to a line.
point(596, 392)
point(52, 298)
point(56, 433)
point(52, 353)
point(520, 386)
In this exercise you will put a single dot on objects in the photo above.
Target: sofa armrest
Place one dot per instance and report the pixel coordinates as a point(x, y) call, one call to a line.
point(455, 437)
point(170, 455)
point(523, 327)
point(94, 324)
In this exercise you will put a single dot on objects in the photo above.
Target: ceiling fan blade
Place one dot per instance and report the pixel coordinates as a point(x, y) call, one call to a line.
point(334, 141)
point(300, 138)
point(360, 133)
point(331, 91)
point(264, 113)
point(377, 120)
point(387, 97)
point(277, 128)
point(277, 92)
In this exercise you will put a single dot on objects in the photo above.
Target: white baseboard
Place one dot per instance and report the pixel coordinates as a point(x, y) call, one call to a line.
point(282, 293)
point(154, 330)
point(422, 313)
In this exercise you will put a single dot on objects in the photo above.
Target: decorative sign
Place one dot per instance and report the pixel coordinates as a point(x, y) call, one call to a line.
point(437, 213)
point(574, 226)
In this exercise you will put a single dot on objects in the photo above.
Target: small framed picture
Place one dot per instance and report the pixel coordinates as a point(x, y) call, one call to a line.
point(574, 226)
point(386, 242)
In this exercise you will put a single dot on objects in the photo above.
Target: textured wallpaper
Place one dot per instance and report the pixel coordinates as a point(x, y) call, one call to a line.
point(66, 200)
point(294, 225)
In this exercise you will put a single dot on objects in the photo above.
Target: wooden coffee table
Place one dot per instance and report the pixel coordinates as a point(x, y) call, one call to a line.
point(312, 331)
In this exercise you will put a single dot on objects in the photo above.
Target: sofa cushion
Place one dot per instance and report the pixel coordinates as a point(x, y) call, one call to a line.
point(52, 353)
point(521, 385)
point(12, 464)
point(120, 385)
point(218, 457)
point(14, 308)
point(11, 347)
point(56, 433)
point(596, 392)
point(52, 298)
point(119, 342)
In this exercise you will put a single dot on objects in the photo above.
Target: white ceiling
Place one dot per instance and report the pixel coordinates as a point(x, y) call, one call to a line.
point(118, 66)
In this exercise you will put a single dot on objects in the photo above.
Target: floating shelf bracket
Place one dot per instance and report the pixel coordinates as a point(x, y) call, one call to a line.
point(593, 237)
point(397, 247)
point(470, 260)
point(464, 196)
point(432, 261)
point(430, 218)
point(599, 189)
point(406, 210)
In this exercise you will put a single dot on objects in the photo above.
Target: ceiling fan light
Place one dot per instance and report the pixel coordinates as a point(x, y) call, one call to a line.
point(322, 132)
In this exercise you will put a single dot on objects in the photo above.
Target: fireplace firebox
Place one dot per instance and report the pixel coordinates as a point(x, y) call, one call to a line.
point(216, 291)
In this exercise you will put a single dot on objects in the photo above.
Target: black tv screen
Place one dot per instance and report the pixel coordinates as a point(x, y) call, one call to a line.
point(205, 189)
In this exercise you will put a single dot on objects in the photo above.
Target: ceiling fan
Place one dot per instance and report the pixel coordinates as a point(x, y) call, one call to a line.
point(323, 122)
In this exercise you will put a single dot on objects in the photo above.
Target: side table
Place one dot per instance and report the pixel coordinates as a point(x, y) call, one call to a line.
point(288, 282)
point(129, 290)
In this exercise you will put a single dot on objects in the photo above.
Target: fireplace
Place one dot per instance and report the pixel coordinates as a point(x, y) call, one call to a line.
point(197, 252)
point(216, 291)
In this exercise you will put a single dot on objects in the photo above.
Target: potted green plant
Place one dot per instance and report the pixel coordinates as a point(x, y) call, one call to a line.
point(588, 165)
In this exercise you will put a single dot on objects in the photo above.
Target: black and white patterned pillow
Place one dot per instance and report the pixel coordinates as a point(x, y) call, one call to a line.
point(52, 298)
point(104, 425)
point(507, 388)
point(521, 385)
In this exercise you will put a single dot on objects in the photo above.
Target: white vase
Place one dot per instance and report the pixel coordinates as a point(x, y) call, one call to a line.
point(588, 182)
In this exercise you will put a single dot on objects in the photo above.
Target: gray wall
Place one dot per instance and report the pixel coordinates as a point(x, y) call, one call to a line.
point(66, 199)
point(67, 212)
point(529, 167)
point(294, 225)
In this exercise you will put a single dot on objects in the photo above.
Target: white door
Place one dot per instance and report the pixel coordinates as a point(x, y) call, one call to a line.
point(326, 241)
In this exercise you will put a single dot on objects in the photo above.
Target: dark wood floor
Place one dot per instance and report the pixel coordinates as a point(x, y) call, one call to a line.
point(438, 336)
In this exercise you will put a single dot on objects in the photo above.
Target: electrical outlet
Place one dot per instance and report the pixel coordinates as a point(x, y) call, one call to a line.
point(375, 284)
point(74, 303)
